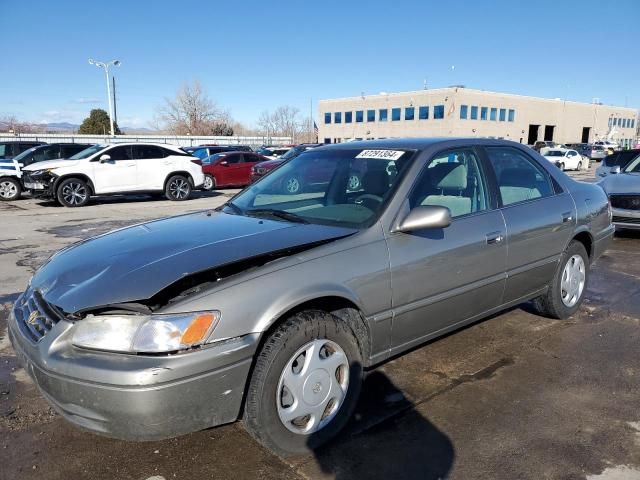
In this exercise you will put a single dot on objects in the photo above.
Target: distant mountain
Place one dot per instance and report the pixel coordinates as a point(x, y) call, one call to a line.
point(66, 127)
point(60, 126)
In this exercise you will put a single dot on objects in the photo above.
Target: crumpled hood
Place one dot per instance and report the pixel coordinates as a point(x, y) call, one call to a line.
point(50, 164)
point(621, 183)
point(135, 263)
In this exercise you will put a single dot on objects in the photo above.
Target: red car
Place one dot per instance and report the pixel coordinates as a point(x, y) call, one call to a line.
point(229, 169)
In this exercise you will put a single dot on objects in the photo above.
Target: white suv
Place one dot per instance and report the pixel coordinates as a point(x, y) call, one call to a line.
point(113, 169)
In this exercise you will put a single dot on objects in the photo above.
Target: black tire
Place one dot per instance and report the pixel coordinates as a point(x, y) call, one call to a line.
point(73, 192)
point(561, 167)
point(10, 189)
point(209, 183)
point(178, 188)
point(261, 418)
point(291, 185)
point(579, 166)
point(551, 304)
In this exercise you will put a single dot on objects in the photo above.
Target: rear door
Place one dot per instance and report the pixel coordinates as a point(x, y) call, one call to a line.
point(442, 277)
point(234, 169)
point(249, 160)
point(539, 217)
point(117, 174)
point(153, 166)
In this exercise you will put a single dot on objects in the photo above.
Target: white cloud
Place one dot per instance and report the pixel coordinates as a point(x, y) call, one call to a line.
point(86, 100)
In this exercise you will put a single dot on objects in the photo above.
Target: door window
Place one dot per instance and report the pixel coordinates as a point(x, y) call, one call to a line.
point(120, 153)
point(519, 178)
point(143, 152)
point(452, 179)
point(47, 153)
point(233, 159)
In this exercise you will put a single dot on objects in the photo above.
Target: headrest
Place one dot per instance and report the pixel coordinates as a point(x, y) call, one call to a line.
point(449, 176)
point(376, 182)
point(517, 177)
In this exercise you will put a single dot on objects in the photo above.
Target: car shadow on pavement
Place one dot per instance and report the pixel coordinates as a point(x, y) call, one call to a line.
point(386, 438)
point(134, 198)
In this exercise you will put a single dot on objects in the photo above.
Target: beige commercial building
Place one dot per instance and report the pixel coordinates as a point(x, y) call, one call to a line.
point(464, 112)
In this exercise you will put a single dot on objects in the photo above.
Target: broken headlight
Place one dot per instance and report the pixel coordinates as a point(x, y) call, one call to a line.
point(145, 333)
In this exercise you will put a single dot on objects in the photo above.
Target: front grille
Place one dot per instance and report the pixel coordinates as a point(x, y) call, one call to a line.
point(626, 202)
point(633, 221)
point(34, 316)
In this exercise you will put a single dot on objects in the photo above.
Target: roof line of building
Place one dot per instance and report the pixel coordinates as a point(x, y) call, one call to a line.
point(472, 90)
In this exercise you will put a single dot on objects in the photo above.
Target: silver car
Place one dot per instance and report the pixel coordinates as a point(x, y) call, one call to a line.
point(271, 307)
point(623, 187)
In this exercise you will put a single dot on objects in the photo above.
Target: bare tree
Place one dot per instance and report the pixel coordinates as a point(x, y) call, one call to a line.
point(285, 121)
point(10, 123)
point(192, 112)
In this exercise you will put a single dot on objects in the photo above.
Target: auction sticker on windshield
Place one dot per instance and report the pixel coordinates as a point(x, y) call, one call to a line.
point(381, 154)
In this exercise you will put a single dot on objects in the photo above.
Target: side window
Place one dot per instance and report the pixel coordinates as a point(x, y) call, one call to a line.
point(452, 179)
point(233, 159)
point(200, 153)
point(71, 150)
point(47, 153)
point(4, 150)
point(144, 152)
point(519, 178)
point(119, 153)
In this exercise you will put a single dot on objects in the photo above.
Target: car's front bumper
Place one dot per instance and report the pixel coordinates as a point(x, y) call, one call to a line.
point(137, 397)
point(40, 186)
point(626, 219)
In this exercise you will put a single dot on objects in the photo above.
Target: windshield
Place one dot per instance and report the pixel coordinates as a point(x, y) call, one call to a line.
point(292, 153)
point(26, 153)
point(87, 152)
point(346, 188)
point(554, 153)
point(264, 151)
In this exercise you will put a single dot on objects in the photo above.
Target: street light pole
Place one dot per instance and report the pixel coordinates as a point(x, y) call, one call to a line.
point(105, 66)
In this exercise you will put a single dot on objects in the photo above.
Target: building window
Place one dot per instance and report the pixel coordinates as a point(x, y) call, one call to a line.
point(337, 117)
point(474, 113)
point(438, 112)
point(494, 114)
point(395, 114)
point(409, 113)
point(359, 116)
point(633, 123)
point(383, 114)
point(483, 113)
point(348, 117)
point(512, 115)
point(371, 115)
point(503, 114)
point(463, 111)
point(327, 118)
point(423, 113)
point(327, 140)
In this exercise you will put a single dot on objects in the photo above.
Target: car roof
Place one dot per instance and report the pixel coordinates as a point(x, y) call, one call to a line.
point(419, 143)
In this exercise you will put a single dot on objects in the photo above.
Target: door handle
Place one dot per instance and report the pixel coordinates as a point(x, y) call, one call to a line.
point(494, 237)
point(566, 217)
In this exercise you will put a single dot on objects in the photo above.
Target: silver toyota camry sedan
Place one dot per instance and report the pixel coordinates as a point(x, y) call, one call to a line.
point(271, 307)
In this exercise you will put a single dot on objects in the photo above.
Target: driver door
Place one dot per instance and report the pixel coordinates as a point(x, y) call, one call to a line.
point(443, 277)
point(118, 174)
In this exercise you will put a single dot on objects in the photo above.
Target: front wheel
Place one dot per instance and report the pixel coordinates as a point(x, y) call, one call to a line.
point(561, 166)
point(579, 166)
point(178, 188)
point(305, 383)
point(10, 189)
point(73, 192)
point(566, 290)
point(209, 183)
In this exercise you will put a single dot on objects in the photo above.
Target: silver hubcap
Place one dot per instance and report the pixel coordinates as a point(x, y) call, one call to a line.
point(8, 189)
point(208, 183)
point(312, 386)
point(572, 283)
point(74, 193)
point(354, 182)
point(293, 185)
point(179, 188)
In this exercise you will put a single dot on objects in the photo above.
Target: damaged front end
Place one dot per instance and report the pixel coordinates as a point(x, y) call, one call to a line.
point(40, 182)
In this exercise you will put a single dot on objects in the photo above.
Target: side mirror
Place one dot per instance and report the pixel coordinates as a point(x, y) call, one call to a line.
point(224, 163)
point(105, 158)
point(424, 217)
point(615, 170)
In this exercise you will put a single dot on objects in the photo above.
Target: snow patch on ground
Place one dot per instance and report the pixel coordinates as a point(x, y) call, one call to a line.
point(621, 472)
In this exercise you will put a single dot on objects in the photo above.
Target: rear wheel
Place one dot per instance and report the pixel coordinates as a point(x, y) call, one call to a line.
point(305, 383)
point(561, 166)
point(566, 290)
point(178, 188)
point(580, 165)
point(73, 192)
point(10, 189)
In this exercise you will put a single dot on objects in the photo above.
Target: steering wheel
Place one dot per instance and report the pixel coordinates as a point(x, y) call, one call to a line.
point(368, 200)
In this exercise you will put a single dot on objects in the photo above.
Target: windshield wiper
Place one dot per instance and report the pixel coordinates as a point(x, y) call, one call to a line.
point(289, 216)
point(237, 210)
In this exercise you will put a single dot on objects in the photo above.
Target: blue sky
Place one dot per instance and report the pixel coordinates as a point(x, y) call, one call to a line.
point(252, 56)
